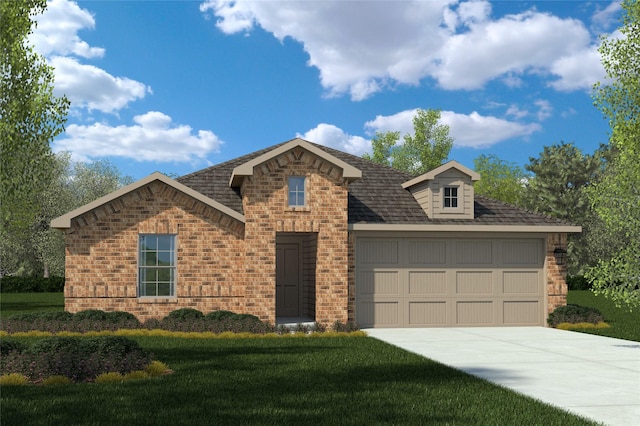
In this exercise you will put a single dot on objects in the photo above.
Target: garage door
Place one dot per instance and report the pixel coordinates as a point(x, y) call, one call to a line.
point(455, 282)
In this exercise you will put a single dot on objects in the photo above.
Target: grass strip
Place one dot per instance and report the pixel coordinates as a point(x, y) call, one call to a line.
point(335, 380)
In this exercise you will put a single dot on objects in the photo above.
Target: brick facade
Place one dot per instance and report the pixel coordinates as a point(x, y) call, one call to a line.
point(102, 254)
point(556, 274)
point(265, 202)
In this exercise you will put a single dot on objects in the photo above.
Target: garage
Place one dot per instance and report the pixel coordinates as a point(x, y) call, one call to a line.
point(449, 281)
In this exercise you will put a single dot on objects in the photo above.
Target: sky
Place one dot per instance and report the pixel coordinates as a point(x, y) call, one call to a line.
point(177, 86)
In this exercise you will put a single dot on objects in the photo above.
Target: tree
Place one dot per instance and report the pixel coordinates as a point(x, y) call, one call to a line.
point(40, 250)
point(30, 117)
point(500, 180)
point(558, 189)
point(426, 149)
point(616, 197)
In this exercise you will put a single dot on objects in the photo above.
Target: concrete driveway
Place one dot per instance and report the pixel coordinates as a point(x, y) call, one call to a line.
point(592, 376)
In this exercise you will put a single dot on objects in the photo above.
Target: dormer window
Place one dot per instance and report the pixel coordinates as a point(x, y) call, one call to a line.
point(450, 197)
point(297, 191)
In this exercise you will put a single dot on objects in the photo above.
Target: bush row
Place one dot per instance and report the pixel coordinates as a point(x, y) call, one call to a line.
point(185, 319)
point(78, 359)
point(10, 284)
point(574, 314)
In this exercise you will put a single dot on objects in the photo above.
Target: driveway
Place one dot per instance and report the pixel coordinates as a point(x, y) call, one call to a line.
point(592, 376)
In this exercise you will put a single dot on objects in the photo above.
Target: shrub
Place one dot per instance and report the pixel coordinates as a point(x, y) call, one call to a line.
point(79, 359)
point(219, 315)
point(578, 282)
point(574, 314)
point(111, 377)
point(8, 346)
point(348, 327)
point(185, 314)
point(56, 380)
point(91, 314)
point(10, 284)
point(157, 368)
point(121, 316)
point(13, 379)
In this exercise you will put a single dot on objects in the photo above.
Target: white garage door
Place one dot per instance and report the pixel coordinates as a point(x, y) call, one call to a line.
point(454, 282)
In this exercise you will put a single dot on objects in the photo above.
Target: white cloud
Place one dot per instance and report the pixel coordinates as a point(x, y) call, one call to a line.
point(56, 33)
point(578, 71)
point(91, 87)
point(334, 137)
point(544, 109)
point(153, 137)
point(516, 112)
point(603, 19)
point(362, 50)
point(473, 130)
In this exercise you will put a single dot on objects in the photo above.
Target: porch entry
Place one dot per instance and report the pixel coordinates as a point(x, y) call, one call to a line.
point(296, 276)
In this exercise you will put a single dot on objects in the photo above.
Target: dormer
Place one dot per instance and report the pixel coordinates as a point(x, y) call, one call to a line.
point(445, 192)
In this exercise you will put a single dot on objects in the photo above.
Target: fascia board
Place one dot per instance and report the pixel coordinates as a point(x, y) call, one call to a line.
point(571, 229)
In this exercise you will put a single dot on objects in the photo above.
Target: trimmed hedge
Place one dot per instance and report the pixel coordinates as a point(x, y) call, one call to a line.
point(9, 284)
point(574, 314)
point(79, 359)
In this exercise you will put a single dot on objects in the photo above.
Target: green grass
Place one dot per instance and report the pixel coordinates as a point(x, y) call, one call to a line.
point(333, 380)
point(18, 303)
point(624, 324)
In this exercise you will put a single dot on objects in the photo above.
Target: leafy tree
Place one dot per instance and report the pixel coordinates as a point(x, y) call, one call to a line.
point(41, 249)
point(558, 189)
point(30, 117)
point(501, 180)
point(616, 198)
point(426, 149)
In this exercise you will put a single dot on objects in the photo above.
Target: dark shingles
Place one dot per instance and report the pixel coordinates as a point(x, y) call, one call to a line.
point(377, 197)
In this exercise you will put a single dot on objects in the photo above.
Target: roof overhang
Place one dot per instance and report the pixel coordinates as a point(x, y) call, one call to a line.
point(239, 173)
point(64, 221)
point(383, 227)
point(432, 174)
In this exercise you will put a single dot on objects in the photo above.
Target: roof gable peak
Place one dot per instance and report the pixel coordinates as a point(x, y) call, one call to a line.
point(432, 174)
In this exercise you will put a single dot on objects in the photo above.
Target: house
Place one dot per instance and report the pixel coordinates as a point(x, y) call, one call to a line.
point(303, 232)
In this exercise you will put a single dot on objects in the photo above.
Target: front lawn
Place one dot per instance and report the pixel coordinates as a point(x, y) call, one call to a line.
point(624, 324)
point(282, 380)
point(22, 303)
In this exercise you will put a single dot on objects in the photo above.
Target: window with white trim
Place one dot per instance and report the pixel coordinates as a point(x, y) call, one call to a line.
point(157, 265)
point(297, 196)
point(450, 198)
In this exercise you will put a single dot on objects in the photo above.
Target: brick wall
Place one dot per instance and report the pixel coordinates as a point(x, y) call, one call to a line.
point(265, 202)
point(102, 254)
point(556, 274)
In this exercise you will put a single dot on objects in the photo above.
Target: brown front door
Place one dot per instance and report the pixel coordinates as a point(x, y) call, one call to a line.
point(288, 279)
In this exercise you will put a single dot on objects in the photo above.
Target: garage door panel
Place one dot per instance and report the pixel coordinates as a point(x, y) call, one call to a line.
point(521, 312)
point(427, 283)
point(475, 312)
point(521, 282)
point(433, 313)
point(521, 253)
point(474, 253)
point(379, 283)
point(379, 252)
point(474, 282)
point(426, 252)
point(379, 314)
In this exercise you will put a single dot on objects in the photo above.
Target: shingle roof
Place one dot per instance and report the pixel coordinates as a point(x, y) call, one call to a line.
point(376, 198)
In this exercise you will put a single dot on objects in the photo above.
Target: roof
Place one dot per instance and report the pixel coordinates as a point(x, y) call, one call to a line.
point(432, 174)
point(376, 199)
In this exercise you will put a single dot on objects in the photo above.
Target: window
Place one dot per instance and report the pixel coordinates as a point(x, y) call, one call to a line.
point(450, 197)
point(157, 266)
point(296, 191)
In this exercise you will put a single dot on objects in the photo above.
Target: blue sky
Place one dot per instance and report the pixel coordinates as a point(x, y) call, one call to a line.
point(176, 86)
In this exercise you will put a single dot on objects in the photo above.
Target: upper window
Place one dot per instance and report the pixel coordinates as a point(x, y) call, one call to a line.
point(296, 191)
point(157, 266)
point(450, 197)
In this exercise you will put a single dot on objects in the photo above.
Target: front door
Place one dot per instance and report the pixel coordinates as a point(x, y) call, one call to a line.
point(288, 279)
